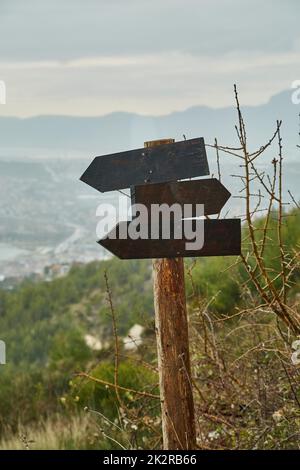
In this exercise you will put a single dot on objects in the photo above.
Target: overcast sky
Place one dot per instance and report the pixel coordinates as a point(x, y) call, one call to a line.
point(93, 57)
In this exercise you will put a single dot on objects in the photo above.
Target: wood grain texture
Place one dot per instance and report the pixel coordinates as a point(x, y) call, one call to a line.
point(167, 162)
point(171, 325)
point(209, 192)
point(221, 238)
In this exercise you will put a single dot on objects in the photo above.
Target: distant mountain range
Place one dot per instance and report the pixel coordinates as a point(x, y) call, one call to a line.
point(71, 137)
point(45, 209)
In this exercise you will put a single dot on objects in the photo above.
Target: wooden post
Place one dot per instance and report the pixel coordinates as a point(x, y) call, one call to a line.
point(178, 421)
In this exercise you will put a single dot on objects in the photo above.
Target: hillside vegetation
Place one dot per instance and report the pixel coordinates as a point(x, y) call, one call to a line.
point(245, 383)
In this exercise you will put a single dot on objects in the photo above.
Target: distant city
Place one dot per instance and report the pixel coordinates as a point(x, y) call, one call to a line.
point(48, 217)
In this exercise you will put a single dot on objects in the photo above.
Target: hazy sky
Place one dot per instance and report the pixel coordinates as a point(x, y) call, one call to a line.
point(92, 57)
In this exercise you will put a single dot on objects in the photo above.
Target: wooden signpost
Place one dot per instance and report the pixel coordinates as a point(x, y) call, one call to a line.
point(152, 173)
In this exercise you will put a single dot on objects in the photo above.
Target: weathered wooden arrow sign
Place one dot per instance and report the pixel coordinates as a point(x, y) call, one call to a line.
point(209, 192)
point(221, 238)
point(169, 162)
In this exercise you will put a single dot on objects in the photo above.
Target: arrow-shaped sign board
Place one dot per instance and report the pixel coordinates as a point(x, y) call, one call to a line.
point(221, 238)
point(169, 162)
point(209, 192)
